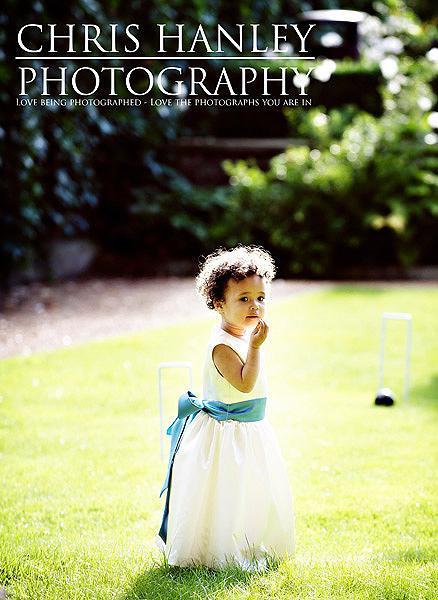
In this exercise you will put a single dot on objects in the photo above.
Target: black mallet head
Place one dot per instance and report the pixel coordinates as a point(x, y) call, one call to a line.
point(385, 397)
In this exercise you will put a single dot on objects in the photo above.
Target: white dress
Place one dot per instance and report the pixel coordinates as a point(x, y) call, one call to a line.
point(230, 498)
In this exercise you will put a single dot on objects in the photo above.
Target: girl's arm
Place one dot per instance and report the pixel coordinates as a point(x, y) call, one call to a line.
point(241, 375)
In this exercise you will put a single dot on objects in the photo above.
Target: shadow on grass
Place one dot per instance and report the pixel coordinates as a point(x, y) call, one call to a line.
point(415, 554)
point(167, 582)
point(426, 395)
point(341, 289)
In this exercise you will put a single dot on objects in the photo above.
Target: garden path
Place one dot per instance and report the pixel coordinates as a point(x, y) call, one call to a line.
point(40, 317)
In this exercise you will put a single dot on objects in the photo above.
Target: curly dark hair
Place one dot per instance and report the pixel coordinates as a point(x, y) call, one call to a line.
point(235, 263)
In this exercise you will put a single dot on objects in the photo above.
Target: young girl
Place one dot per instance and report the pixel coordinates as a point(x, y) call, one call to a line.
point(228, 494)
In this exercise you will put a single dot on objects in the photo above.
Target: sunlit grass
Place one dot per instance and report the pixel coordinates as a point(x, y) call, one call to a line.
point(81, 472)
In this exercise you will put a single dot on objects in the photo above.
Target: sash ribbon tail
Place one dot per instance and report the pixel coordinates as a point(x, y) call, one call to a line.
point(188, 406)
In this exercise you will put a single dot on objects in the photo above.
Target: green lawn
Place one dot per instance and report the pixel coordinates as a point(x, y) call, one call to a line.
point(81, 472)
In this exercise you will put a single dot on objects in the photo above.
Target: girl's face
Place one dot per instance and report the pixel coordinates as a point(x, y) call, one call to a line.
point(243, 304)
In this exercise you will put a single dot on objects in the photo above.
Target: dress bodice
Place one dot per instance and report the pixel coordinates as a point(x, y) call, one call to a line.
point(216, 387)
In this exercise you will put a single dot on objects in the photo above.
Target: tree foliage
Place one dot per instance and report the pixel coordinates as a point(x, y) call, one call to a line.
point(101, 172)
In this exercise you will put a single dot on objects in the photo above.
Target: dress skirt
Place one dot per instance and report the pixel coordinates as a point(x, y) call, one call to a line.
point(230, 499)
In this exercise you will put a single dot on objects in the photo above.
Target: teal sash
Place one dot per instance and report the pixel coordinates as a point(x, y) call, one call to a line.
point(188, 407)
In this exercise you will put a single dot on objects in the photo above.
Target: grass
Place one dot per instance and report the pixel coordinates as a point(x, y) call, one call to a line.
point(80, 465)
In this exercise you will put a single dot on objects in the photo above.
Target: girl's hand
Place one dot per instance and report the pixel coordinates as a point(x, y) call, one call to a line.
point(259, 334)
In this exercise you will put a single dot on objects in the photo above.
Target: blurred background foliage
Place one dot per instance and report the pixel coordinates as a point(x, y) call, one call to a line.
point(361, 191)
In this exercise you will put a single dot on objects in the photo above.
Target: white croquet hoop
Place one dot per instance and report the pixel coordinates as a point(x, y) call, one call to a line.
point(408, 349)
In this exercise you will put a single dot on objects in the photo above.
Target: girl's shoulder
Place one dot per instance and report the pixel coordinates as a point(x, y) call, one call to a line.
point(220, 336)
